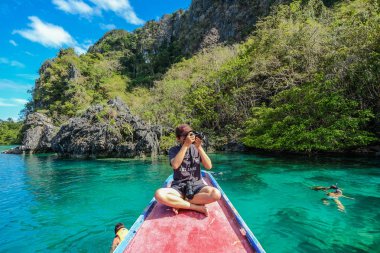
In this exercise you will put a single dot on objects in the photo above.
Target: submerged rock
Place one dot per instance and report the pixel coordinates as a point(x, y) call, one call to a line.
point(107, 131)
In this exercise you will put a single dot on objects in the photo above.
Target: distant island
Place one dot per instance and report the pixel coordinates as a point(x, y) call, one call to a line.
point(297, 77)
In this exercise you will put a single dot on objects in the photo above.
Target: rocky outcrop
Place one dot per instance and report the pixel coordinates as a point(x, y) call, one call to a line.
point(369, 150)
point(38, 134)
point(233, 146)
point(204, 24)
point(102, 131)
point(107, 131)
point(212, 21)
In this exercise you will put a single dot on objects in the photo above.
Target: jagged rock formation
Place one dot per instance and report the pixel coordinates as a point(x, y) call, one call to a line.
point(205, 21)
point(38, 134)
point(231, 20)
point(102, 131)
point(107, 131)
point(122, 60)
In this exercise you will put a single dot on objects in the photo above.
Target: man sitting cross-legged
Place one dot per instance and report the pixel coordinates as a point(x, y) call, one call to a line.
point(188, 190)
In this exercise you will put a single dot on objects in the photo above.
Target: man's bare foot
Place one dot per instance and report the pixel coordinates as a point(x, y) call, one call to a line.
point(202, 209)
point(175, 210)
point(205, 211)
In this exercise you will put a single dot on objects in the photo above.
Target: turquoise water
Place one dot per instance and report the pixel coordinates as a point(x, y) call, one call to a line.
point(49, 204)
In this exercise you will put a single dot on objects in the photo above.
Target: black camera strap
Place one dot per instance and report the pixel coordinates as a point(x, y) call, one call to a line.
point(191, 163)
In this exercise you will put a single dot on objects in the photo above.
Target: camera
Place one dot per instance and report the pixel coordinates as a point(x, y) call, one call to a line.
point(200, 135)
point(189, 193)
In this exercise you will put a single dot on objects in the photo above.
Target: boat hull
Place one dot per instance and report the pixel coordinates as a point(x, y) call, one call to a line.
point(158, 229)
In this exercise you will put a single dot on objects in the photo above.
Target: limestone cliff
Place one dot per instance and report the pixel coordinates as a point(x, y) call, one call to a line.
point(204, 24)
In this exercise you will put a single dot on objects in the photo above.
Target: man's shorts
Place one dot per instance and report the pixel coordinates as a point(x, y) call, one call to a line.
point(181, 186)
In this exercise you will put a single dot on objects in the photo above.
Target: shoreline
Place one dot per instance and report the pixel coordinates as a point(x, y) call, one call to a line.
point(369, 151)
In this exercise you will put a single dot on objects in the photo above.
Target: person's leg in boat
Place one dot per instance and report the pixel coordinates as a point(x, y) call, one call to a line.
point(171, 197)
point(206, 195)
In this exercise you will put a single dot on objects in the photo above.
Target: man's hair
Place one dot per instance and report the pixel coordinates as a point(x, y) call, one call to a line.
point(182, 130)
point(118, 226)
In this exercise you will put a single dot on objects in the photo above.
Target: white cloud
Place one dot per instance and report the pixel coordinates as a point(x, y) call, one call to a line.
point(13, 43)
point(11, 62)
point(82, 48)
point(29, 53)
point(3, 103)
point(19, 101)
point(17, 64)
point(74, 7)
point(28, 76)
point(11, 102)
point(49, 35)
point(131, 17)
point(113, 5)
point(46, 34)
point(107, 26)
point(122, 8)
point(7, 84)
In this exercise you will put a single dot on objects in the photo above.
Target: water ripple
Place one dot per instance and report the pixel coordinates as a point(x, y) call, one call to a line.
point(66, 205)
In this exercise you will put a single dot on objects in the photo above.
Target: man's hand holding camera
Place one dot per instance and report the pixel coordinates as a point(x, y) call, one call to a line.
point(196, 139)
point(193, 138)
point(190, 139)
point(198, 142)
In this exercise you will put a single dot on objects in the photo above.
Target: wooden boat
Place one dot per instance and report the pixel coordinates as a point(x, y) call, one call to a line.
point(158, 229)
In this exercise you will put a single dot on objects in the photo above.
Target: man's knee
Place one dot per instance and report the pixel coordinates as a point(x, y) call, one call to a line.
point(159, 195)
point(215, 194)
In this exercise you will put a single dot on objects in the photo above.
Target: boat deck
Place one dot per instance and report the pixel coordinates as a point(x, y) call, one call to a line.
point(189, 231)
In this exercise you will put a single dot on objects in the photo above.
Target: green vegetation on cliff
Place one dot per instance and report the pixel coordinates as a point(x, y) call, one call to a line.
point(69, 84)
point(120, 64)
point(332, 57)
point(307, 79)
point(10, 132)
point(309, 118)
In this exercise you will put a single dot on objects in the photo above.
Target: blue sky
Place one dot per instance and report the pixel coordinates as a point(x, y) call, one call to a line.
point(34, 30)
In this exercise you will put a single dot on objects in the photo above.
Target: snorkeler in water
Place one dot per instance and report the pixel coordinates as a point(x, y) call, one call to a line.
point(324, 188)
point(120, 234)
point(332, 195)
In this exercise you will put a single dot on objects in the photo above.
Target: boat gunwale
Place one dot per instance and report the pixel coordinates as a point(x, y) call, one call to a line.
point(140, 220)
point(250, 236)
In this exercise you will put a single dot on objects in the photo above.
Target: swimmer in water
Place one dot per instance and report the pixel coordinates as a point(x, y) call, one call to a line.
point(334, 195)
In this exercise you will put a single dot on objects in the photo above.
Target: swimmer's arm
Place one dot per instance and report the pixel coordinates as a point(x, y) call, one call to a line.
point(319, 188)
point(115, 242)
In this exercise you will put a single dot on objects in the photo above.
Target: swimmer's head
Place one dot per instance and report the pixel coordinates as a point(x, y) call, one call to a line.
point(118, 226)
